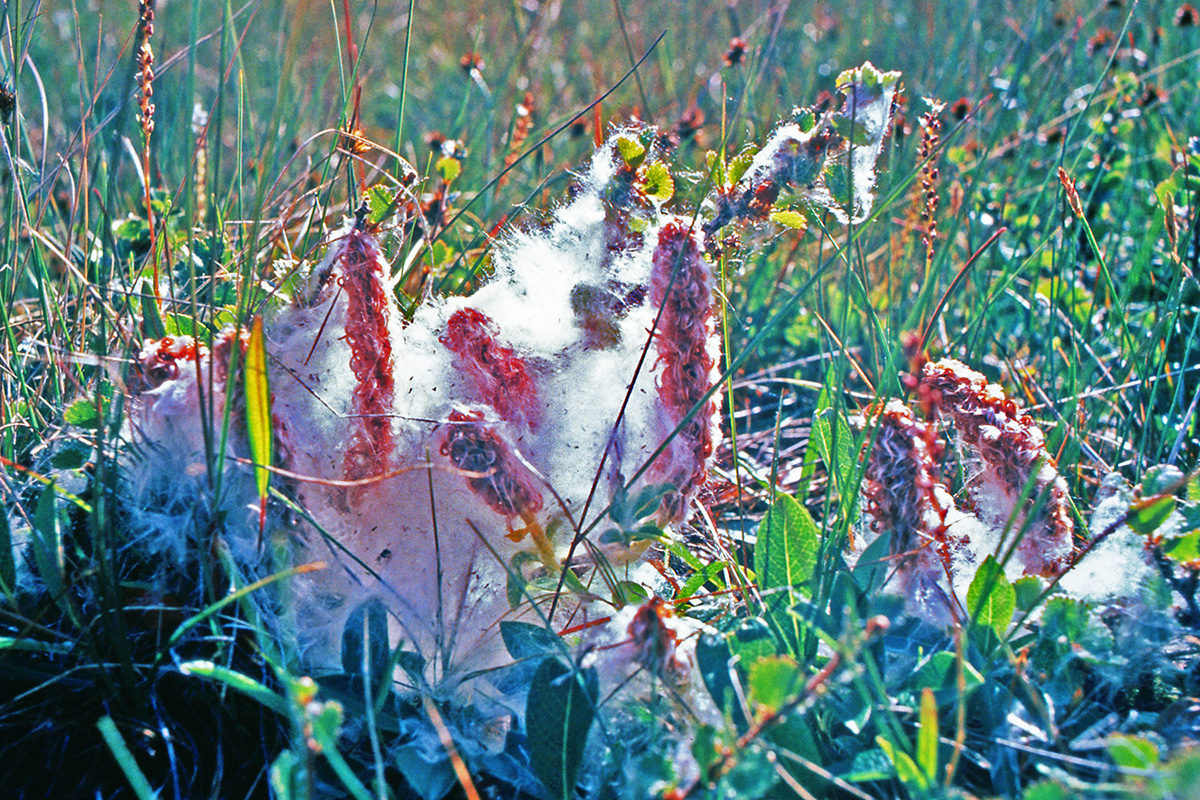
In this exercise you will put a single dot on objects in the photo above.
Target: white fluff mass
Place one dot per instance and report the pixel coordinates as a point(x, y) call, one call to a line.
point(416, 535)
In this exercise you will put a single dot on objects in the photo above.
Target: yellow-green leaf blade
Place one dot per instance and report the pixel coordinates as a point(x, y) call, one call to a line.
point(927, 735)
point(258, 413)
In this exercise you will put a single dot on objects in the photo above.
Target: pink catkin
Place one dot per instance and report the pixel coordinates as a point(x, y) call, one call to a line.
point(499, 479)
point(681, 284)
point(361, 271)
point(158, 361)
point(1012, 449)
point(501, 377)
point(655, 642)
point(903, 495)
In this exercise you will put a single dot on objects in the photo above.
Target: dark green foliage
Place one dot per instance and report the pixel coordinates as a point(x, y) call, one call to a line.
point(562, 704)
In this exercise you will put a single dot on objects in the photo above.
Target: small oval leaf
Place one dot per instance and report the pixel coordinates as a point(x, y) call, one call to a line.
point(991, 599)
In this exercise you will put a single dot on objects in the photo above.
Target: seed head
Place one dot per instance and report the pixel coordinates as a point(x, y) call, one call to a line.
point(1012, 450)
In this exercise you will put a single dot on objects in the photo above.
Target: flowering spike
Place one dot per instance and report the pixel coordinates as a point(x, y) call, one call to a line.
point(681, 283)
point(360, 269)
point(904, 496)
point(1013, 450)
point(159, 360)
point(497, 476)
point(655, 640)
point(501, 377)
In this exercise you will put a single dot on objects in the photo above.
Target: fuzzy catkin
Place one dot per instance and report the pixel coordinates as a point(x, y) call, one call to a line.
point(904, 497)
point(681, 284)
point(1013, 452)
point(501, 377)
point(497, 477)
point(360, 273)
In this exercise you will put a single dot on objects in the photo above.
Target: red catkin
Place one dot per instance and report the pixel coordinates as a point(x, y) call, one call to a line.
point(681, 284)
point(656, 643)
point(904, 496)
point(1013, 451)
point(501, 377)
point(498, 478)
point(361, 275)
point(159, 360)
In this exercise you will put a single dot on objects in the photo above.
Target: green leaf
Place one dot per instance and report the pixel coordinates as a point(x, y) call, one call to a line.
point(658, 184)
point(632, 152)
point(629, 512)
point(927, 736)
point(627, 593)
point(805, 119)
point(700, 577)
point(429, 774)
point(83, 414)
point(785, 554)
point(991, 600)
point(645, 533)
point(1047, 790)
point(831, 440)
point(1147, 515)
point(873, 564)
point(515, 588)
point(1027, 589)
point(1191, 516)
point(870, 765)
point(941, 671)
point(740, 163)
point(152, 322)
point(713, 656)
point(47, 545)
point(906, 769)
point(751, 775)
point(789, 219)
point(448, 167)
point(380, 204)
point(1064, 617)
point(258, 414)
point(681, 551)
point(287, 774)
point(1161, 479)
point(704, 747)
point(526, 640)
point(237, 681)
point(8, 566)
point(365, 644)
point(1183, 548)
point(1132, 752)
point(868, 76)
point(125, 759)
point(716, 167)
point(773, 682)
point(72, 455)
point(561, 706)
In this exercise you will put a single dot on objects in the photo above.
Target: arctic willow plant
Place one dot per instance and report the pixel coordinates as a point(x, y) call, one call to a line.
point(460, 465)
point(477, 470)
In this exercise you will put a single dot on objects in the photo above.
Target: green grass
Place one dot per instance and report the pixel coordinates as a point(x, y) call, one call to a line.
point(1092, 324)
